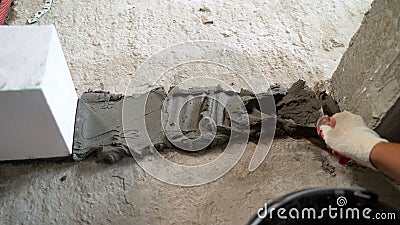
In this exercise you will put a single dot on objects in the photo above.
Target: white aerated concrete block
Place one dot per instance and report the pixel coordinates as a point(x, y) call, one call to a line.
point(37, 96)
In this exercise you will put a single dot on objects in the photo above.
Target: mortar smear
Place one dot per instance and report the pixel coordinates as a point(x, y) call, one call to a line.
point(98, 127)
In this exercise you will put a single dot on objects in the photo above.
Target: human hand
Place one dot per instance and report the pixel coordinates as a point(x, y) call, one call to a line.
point(351, 137)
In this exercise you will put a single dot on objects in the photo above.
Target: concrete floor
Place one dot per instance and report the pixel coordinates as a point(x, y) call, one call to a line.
point(104, 44)
point(91, 193)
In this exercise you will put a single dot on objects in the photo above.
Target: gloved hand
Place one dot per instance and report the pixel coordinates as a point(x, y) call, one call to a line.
point(351, 137)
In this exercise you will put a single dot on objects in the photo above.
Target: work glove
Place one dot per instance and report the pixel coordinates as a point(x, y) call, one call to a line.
point(351, 137)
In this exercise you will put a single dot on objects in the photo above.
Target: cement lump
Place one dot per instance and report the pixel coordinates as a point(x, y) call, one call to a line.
point(300, 104)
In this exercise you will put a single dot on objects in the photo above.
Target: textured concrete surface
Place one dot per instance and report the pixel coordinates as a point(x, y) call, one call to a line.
point(104, 44)
point(91, 193)
point(367, 80)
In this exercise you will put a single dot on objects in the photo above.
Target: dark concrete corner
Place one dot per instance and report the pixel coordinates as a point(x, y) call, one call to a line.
point(367, 80)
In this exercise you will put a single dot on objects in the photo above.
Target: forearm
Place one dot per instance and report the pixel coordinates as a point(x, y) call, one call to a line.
point(386, 157)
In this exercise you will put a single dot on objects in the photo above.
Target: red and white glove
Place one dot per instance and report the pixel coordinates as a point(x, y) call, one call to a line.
point(351, 137)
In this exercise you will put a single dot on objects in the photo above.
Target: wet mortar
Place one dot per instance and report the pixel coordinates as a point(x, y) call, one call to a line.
point(99, 127)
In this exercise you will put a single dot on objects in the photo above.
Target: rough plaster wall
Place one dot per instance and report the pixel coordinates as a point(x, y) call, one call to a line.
point(367, 80)
point(104, 43)
point(91, 193)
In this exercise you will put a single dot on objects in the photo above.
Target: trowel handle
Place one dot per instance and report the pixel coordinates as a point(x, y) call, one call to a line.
point(330, 121)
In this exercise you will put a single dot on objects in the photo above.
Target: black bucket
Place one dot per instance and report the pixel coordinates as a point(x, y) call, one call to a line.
point(339, 206)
